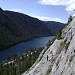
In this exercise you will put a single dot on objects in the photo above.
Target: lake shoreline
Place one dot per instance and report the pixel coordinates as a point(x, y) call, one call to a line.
point(26, 40)
point(24, 46)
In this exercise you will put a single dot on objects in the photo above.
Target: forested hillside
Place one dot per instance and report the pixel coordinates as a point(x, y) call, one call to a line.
point(55, 27)
point(17, 27)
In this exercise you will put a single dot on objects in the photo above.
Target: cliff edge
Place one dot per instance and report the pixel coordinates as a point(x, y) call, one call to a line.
point(59, 58)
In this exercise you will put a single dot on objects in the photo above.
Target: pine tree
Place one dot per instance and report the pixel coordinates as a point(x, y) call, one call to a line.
point(70, 19)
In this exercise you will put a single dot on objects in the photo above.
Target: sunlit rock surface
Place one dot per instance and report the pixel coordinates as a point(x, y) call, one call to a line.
point(61, 56)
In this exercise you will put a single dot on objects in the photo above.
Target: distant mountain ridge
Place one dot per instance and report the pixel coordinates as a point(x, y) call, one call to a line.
point(54, 26)
point(17, 27)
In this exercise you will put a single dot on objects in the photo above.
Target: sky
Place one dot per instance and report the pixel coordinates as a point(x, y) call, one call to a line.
point(46, 10)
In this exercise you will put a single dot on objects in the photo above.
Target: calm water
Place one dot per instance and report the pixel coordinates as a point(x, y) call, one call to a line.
point(22, 47)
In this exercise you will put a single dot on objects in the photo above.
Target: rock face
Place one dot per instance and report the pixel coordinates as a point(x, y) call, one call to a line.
point(61, 56)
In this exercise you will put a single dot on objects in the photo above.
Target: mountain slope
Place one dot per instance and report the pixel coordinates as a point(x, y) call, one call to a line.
point(54, 26)
point(32, 25)
point(17, 27)
point(61, 55)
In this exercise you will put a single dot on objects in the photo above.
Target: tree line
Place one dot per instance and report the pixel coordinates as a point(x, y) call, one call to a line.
point(20, 63)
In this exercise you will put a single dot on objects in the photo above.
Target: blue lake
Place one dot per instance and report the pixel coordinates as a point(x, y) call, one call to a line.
point(22, 47)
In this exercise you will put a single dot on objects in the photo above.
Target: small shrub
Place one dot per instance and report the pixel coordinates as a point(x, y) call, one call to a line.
point(49, 70)
point(70, 19)
point(67, 45)
point(58, 36)
point(48, 44)
point(65, 40)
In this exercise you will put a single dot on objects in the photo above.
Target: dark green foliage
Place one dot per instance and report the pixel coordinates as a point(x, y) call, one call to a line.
point(49, 70)
point(52, 41)
point(67, 45)
point(19, 64)
point(49, 43)
point(69, 19)
point(54, 26)
point(58, 36)
point(17, 27)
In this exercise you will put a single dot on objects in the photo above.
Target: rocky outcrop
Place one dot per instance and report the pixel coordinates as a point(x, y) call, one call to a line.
point(59, 58)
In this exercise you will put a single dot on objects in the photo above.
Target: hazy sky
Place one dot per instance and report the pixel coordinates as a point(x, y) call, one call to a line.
point(50, 10)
